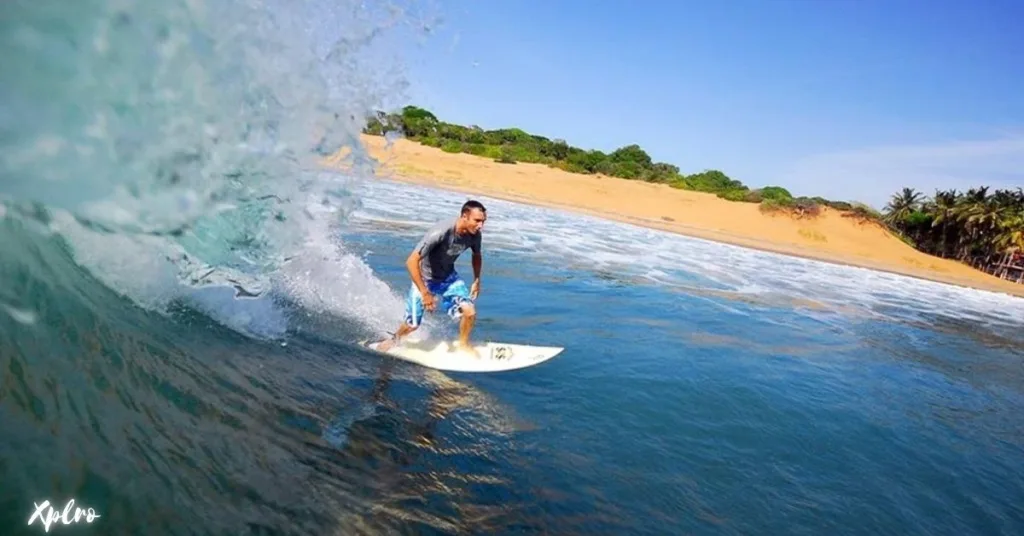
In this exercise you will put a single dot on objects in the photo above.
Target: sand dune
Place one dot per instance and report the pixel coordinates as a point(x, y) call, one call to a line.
point(829, 237)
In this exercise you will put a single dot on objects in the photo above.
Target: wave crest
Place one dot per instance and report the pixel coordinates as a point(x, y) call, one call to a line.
point(176, 146)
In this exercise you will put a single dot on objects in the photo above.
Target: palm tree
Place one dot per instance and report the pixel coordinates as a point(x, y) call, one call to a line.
point(1011, 233)
point(976, 227)
point(970, 213)
point(945, 202)
point(1009, 238)
point(902, 205)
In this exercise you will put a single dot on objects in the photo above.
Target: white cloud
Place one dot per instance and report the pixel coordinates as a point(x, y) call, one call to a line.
point(873, 174)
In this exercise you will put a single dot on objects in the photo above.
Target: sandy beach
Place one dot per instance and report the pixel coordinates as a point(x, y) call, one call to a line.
point(829, 237)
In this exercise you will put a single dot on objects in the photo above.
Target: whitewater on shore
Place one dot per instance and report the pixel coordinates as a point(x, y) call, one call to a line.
point(830, 237)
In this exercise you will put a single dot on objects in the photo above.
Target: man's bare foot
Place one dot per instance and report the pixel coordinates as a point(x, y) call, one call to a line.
point(468, 348)
point(386, 344)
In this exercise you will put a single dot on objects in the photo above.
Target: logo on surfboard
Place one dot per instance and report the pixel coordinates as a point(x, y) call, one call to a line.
point(501, 352)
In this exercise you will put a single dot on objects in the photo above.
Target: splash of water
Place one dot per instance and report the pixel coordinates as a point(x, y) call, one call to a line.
point(176, 146)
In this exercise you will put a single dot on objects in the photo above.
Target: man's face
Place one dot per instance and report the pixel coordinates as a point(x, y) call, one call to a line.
point(474, 220)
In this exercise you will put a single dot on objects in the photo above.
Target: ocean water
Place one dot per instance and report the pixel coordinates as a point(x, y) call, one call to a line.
point(183, 287)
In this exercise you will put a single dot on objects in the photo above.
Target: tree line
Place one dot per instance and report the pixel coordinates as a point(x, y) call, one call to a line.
point(977, 227)
point(973, 227)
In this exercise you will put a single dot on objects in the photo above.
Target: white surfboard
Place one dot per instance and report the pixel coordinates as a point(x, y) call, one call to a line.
point(494, 356)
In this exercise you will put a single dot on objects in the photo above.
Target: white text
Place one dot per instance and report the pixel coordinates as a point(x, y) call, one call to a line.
point(47, 515)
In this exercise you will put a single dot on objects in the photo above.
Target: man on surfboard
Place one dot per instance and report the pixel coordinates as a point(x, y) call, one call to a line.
point(432, 268)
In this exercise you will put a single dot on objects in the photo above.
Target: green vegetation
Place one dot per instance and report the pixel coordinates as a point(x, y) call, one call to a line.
point(864, 214)
point(511, 145)
point(802, 207)
point(974, 227)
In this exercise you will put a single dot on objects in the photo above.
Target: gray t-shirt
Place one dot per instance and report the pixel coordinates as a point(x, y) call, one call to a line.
point(441, 247)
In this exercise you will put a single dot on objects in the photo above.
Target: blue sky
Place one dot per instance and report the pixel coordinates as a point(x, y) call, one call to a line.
point(840, 98)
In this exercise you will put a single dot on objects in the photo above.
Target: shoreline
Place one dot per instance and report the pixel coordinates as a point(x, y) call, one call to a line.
point(700, 234)
point(534, 184)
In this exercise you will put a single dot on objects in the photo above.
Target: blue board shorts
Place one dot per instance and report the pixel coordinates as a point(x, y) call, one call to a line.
point(453, 292)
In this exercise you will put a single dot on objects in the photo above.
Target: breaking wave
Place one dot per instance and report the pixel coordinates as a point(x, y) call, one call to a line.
point(174, 151)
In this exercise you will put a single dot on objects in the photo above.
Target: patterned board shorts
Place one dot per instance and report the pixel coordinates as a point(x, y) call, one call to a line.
point(453, 292)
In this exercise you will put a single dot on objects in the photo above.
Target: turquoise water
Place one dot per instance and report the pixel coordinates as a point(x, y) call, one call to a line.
point(183, 288)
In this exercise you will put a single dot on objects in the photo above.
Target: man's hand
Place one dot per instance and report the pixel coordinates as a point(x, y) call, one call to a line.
point(413, 265)
point(429, 302)
point(474, 291)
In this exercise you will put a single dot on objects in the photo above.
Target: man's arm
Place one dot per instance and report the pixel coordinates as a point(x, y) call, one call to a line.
point(478, 261)
point(413, 265)
point(478, 258)
point(429, 241)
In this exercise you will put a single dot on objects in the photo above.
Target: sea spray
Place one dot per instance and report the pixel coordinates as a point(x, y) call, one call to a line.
point(176, 147)
point(145, 117)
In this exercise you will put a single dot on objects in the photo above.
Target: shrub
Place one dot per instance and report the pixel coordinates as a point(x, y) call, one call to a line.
point(741, 195)
point(680, 184)
point(753, 196)
point(804, 207)
point(452, 147)
point(734, 195)
point(571, 167)
point(841, 206)
point(775, 192)
point(493, 152)
point(506, 157)
point(863, 214)
point(477, 149)
point(801, 207)
point(770, 206)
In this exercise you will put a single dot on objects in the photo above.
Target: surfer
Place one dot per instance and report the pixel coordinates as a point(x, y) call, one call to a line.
point(434, 278)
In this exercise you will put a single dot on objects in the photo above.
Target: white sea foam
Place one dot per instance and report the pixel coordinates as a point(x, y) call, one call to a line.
point(315, 271)
point(154, 271)
point(325, 278)
point(669, 259)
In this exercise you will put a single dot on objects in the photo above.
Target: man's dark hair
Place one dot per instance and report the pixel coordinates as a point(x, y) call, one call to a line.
point(470, 205)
